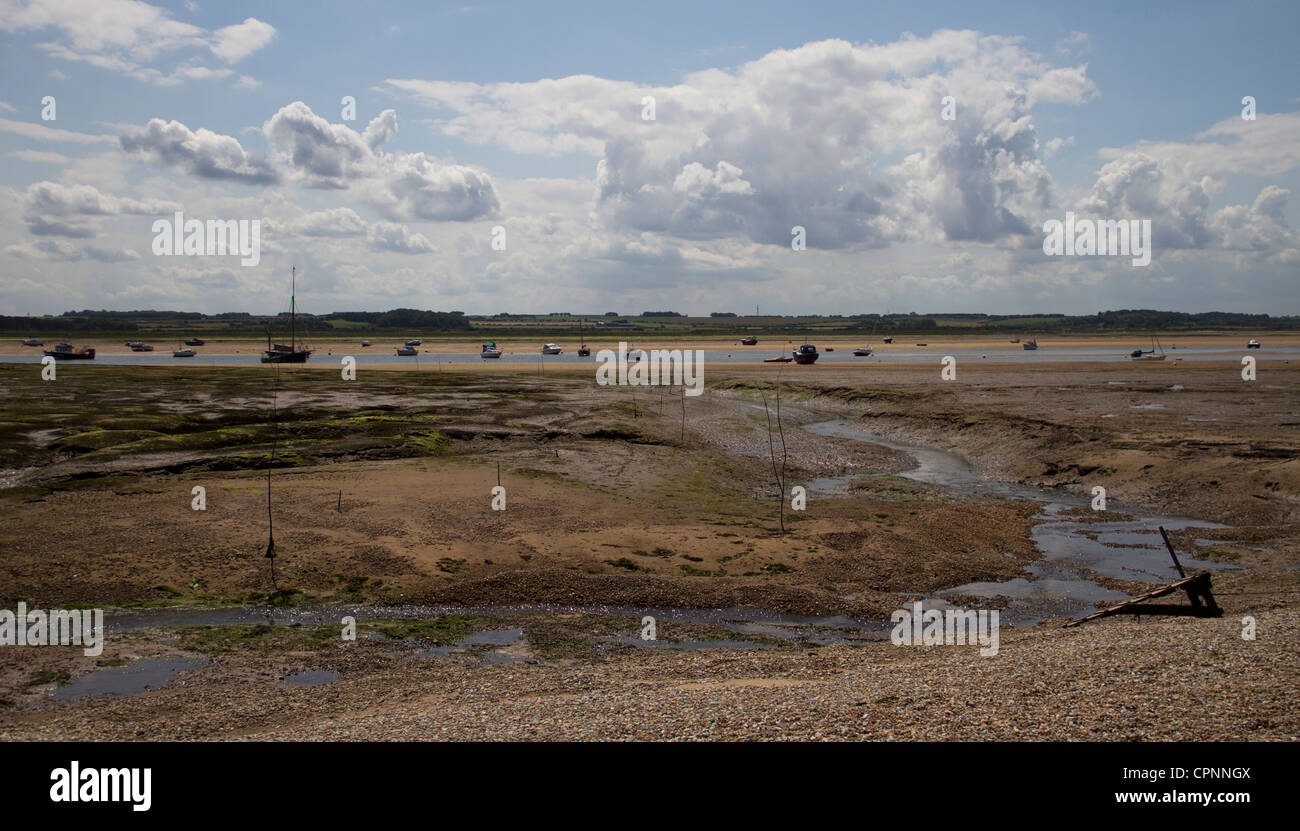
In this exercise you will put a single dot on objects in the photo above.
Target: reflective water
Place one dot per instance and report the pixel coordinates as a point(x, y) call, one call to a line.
point(312, 678)
point(1127, 549)
point(903, 355)
point(135, 677)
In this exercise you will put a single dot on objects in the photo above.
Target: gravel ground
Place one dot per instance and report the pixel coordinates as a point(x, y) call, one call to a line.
point(1116, 679)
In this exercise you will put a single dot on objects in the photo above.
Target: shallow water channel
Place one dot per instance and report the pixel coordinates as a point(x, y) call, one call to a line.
point(1128, 549)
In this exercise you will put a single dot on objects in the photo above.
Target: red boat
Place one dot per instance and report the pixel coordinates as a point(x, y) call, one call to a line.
point(780, 360)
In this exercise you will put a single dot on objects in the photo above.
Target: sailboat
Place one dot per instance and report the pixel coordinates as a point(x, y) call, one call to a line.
point(583, 349)
point(278, 353)
point(1149, 354)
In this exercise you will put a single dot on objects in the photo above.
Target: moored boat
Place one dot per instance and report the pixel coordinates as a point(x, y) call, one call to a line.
point(780, 359)
point(805, 354)
point(183, 353)
point(33, 342)
point(278, 353)
point(67, 352)
point(407, 351)
point(194, 342)
point(749, 341)
point(490, 350)
point(862, 352)
point(1253, 344)
point(551, 349)
point(1155, 353)
point(1029, 345)
point(583, 349)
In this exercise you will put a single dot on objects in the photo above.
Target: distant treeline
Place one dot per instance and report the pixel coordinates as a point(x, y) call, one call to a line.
point(169, 323)
point(407, 319)
point(1122, 320)
point(231, 322)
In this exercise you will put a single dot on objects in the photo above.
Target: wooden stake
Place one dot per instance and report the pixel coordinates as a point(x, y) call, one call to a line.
point(1172, 553)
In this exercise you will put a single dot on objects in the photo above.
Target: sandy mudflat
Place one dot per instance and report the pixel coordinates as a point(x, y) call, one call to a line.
point(382, 498)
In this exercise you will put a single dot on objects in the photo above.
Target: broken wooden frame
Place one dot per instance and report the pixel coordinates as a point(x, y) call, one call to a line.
point(1197, 587)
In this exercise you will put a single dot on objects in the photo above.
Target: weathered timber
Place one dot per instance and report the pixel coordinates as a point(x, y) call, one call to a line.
point(1198, 592)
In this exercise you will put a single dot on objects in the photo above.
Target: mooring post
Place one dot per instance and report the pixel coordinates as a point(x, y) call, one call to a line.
point(1172, 553)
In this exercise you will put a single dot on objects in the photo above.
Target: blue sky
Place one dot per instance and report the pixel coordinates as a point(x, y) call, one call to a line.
point(1100, 108)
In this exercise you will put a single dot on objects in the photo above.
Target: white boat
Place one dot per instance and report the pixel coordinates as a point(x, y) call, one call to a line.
point(1253, 344)
point(407, 351)
point(490, 350)
point(183, 353)
point(862, 352)
point(551, 349)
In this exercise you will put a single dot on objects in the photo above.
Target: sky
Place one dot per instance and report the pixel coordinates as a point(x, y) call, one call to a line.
point(586, 158)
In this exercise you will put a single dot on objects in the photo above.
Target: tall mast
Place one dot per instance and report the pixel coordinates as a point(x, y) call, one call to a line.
point(293, 277)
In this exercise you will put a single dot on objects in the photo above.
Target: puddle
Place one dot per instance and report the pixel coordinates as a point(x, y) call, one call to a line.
point(1051, 593)
point(830, 484)
point(691, 645)
point(494, 637)
point(136, 677)
point(489, 637)
point(1065, 540)
point(312, 678)
point(1135, 538)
